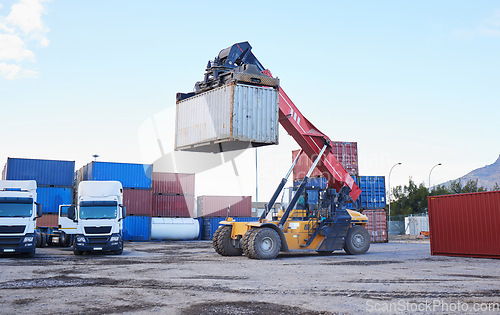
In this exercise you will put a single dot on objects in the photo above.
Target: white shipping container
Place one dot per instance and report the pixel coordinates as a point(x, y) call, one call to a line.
point(416, 224)
point(231, 117)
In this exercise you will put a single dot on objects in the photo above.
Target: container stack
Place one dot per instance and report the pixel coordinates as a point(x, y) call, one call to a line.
point(377, 225)
point(136, 180)
point(54, 180)
point(214, 209)
point(173, 195)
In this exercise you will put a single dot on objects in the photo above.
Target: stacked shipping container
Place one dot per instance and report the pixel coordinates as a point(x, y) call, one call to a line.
point(223, 206)
point(54, 180)
point(173, 195)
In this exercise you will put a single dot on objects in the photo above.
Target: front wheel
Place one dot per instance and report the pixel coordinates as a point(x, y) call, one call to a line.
point(223, 243)
point(357, 241)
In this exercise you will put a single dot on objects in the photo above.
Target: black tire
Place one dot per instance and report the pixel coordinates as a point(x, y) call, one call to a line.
point(325, 252)
point(245, 241)
point(38, 240)
point(29, 254)
point(119, 251)
point(222, 242)
point(264, 244)
point(357, 241)
point(44, 240)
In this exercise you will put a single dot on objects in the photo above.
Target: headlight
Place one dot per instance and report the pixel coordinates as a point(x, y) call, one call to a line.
point(28, 239)
point(80, 239)
point(114, 239)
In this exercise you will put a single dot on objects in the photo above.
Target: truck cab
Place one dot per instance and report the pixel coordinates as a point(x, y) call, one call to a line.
point(18, 213)
point(99, 217)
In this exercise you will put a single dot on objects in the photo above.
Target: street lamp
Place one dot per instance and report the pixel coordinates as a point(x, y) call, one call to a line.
point(389, 199)
point(95, 156)
point(430, 176)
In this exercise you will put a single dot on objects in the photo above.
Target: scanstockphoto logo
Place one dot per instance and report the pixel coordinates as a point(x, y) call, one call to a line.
point(431, 306)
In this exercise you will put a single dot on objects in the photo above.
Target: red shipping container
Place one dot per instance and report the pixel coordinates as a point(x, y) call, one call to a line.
point(165, 205)
point(465, 225)
point(217, 206)
point(173, 183)
point(377, 225)
point(48, 220)
point(345, 152)
point(138, 201)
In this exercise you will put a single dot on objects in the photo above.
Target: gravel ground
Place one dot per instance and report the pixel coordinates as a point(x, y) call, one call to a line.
point(190, 278)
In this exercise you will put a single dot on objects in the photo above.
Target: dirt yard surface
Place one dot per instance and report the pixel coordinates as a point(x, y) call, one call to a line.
point(190, 278)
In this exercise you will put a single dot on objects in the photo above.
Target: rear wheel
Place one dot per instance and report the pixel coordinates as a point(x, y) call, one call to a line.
point(357, 241)
point(265, 243)
point(44, 240)
point(245, 241)
point(223, 243)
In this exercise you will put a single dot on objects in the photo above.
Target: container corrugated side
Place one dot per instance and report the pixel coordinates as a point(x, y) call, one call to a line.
point(47, 220)
point(46, 172)
point(377, 225)
point(165, 205)
point(173, 183)
point(465, 225)
point(138, 201)
point(211, 224)
point(131, 175)
point(231, 117)
point(372, 192)
point(217, 206)
point(137, 228)
point(345, 152)
point(52, 197)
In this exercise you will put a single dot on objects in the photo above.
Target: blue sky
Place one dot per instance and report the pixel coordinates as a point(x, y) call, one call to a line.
point(411, 82)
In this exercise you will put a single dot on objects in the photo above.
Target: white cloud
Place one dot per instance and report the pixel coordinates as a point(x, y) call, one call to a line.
point(12, 47)
point(22, 25)
point(13, 72)
point(489, 27)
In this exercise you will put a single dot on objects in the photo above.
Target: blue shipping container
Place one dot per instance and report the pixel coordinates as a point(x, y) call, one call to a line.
point(373, 192)
point(137, 228)
point(45, 172)
point(52, 197)
point(210, 225)
point(132, 176)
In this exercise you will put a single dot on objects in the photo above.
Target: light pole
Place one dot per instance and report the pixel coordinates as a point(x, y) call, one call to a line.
point(389, 199)
point(430, 176)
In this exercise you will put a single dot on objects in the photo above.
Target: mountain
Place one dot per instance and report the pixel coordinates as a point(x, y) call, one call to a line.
point(486, 176)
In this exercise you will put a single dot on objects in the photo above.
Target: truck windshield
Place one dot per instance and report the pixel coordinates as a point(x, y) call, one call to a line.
point(16, 209)
point(98, 212)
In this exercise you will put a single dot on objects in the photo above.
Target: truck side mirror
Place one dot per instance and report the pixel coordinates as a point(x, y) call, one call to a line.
point(71, 213)
point(39, 210)
point(124, 212)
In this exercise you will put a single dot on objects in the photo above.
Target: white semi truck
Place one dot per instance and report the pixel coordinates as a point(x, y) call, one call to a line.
point(18, 213)
point(99, 213)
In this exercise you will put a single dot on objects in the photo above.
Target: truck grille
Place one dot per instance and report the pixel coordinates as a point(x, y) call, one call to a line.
point(9, 242)
point(7, 229)
point(97, 240)
point(97, 230)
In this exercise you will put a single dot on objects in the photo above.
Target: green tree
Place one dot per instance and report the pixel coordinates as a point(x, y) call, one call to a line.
point(495, 187)
point(409, 199)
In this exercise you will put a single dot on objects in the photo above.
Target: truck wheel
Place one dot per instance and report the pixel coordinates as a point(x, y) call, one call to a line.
point(223, 244)
point(38, 240)
point(264, 244)
point(245, 240)
point(30, 254)
point(119, 251)
point(357, 241)
point(44, 240)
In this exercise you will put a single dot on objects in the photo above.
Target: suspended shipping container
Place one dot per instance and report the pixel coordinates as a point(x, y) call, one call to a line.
point(211, 224)
point(52, 197)
point(377, 225)
point(219, 206)
point(137, 228)
point(465, 225)
point(345, 152)
point(138, 201)
point(173, 183)
point(132, 176)
point(165, 205)
point(372, 192)
point(175, 229)
point(231, 117)
point(46, 172)
point(48, 220)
